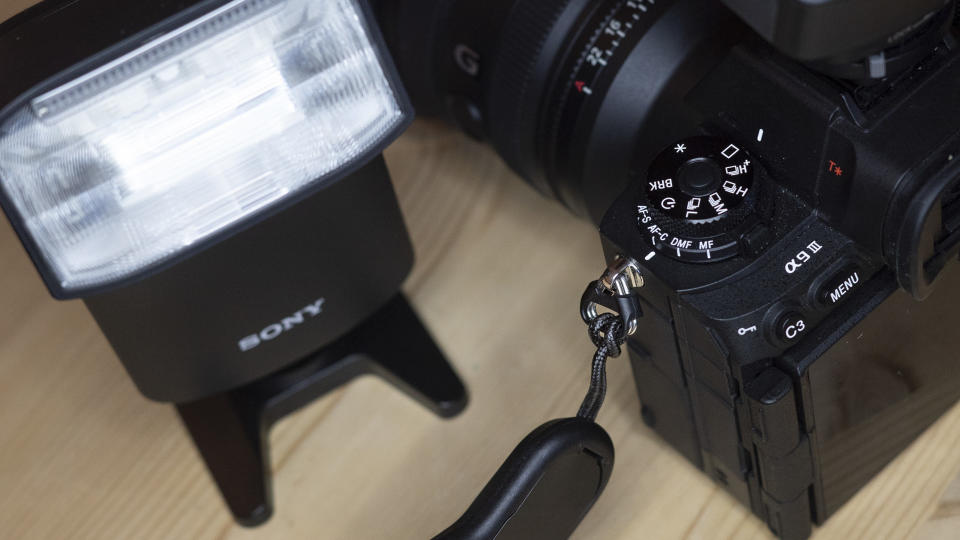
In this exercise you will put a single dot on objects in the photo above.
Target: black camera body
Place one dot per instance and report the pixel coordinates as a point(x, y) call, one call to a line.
point(781, 351)
point(784, 175)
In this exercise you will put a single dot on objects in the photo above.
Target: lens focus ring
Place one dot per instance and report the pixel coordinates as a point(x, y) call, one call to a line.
point(519, 76)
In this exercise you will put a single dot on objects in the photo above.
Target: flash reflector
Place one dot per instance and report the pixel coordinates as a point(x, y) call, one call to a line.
point(198, 130)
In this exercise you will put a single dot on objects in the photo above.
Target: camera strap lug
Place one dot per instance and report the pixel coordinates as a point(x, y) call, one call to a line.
point(616, 291)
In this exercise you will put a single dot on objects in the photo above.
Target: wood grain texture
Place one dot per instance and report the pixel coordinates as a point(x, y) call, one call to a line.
point(10, 8)
point(498, 279)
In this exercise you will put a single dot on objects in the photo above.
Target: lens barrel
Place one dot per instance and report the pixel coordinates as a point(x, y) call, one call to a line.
point(563, 89)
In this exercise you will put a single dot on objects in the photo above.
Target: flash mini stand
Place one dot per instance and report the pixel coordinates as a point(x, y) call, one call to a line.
point(231, 430)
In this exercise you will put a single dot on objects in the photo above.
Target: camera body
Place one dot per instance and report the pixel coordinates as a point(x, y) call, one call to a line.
point(784, 245)
point(784, 175)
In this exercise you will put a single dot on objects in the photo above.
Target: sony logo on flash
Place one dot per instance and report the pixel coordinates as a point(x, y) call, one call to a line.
point(274, 331)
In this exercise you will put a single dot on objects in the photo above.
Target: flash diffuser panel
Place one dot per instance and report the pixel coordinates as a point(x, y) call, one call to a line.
point(198, 130)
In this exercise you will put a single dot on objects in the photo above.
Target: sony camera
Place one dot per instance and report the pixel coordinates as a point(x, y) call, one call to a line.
point(782, 174)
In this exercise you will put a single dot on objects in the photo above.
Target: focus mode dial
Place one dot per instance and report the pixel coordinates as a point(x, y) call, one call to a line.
point(697, 193)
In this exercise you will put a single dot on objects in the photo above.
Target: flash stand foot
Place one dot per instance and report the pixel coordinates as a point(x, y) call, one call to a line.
point(231, 430)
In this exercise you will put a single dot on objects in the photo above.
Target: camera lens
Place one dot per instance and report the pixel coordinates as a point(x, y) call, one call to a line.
point(565, 90)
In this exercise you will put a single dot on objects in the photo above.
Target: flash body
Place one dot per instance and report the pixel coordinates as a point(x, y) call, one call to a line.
point(207, 177)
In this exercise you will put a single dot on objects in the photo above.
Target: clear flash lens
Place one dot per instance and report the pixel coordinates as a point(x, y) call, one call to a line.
point(194, 132)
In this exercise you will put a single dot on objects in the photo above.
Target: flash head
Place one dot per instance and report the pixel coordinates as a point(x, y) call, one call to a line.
point(208, 117)
point(206, 175)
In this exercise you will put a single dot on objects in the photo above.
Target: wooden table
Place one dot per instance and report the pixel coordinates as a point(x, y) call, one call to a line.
point(498, 280)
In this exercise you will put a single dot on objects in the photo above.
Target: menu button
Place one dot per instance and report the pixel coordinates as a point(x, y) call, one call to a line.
point(840, 286)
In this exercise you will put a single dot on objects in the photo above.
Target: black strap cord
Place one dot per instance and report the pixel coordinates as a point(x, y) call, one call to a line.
point(607, 333)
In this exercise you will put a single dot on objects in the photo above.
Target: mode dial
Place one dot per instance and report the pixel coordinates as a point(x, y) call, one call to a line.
point(697, 193)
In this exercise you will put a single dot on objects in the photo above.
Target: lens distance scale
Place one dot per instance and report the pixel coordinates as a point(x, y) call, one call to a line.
point(697, 193)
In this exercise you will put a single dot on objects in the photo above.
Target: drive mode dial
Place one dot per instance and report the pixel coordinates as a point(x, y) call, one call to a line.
point(697, 193)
